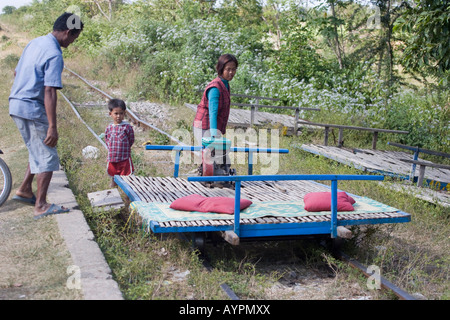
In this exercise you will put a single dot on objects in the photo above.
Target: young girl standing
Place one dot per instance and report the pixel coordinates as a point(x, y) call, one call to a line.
point(214, 108)
point(119, 137)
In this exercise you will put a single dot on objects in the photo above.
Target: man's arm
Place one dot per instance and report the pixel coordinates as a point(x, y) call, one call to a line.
point(50, 100)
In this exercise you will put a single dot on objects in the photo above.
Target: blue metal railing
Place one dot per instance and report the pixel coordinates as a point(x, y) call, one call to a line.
point(321, 177)
point(180, 148)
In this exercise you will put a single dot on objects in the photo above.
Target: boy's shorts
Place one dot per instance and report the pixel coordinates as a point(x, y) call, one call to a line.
point(121, 168)
point(42, 158)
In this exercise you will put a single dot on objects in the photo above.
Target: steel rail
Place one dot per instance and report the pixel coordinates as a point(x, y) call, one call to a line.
point(385, 284)
point(225, 288)
point(130, 114)
point(84, 122)
point(207, 265)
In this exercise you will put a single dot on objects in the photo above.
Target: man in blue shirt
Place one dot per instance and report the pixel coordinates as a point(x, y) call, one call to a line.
point(32, 105)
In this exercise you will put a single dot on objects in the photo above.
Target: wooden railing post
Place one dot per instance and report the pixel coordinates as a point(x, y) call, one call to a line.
point(297, 112)
point(252, 116)
point(374, 140)
point(341, 137)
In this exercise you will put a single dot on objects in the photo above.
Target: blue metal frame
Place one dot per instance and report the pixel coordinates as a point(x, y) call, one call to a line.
point(321, 226)
point(281, 229)
point(278, 229)
point(179, 148)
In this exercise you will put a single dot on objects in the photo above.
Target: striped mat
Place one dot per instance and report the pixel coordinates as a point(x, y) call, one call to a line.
point(161, 212)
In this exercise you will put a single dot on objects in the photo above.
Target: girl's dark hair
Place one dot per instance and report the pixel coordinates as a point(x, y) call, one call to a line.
point(116, 103)
point(68, 21)
point(223, 60)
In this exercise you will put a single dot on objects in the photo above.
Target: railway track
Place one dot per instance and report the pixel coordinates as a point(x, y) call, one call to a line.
point(381, 281)
point(131, 115)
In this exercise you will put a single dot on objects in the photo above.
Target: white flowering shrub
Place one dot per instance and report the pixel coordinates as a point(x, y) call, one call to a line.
point(182, 58)
point(178, 59)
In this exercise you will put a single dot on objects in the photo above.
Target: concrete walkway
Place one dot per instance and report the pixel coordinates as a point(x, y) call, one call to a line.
point(90, 269)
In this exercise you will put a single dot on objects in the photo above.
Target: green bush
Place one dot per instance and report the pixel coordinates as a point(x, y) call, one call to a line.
point(175, 49)
point(10, 61)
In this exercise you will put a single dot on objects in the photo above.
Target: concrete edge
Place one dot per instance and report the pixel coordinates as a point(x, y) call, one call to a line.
point(90, 271)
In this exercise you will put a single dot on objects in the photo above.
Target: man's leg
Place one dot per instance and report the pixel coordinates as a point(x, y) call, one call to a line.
point(43, 182)
point(25, 190)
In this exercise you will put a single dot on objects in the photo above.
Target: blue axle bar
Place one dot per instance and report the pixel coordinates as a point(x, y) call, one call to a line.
point(334, 182)
point(179, 148)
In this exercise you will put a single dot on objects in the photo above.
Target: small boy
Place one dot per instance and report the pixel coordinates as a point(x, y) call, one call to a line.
point(119, 137)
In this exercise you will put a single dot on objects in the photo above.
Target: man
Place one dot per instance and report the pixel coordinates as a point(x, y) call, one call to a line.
point(32, 105)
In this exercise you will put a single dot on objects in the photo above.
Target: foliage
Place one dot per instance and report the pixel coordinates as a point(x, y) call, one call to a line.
point(309, 57)
point(297, 57)
point(8, 9)
point(424, 116)
point(427, 49)
point(10, 61)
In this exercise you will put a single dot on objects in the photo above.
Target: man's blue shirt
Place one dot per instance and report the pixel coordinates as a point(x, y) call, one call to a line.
point(40, 65)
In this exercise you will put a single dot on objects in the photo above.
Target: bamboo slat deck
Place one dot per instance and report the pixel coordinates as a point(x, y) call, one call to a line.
point(438, 197)
point(168, 189)
point(379, 161)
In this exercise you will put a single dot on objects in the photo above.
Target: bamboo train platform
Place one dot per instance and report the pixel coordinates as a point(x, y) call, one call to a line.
point(391, 163)
point(277, 207)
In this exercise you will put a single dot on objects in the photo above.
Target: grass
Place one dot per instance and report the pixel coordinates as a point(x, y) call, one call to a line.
point(414, 255)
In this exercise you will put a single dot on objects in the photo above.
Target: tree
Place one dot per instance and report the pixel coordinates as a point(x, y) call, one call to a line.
point(107, 15)
point(427, 47)
point(329, 25)
point(9, 9)
point(390, 12)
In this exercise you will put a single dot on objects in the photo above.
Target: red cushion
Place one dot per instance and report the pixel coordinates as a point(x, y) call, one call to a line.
point(321, 201)
point(188, 203)
point(196, 202)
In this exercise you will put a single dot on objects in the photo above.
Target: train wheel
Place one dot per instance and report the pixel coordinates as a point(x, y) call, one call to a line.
point(198, 241)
